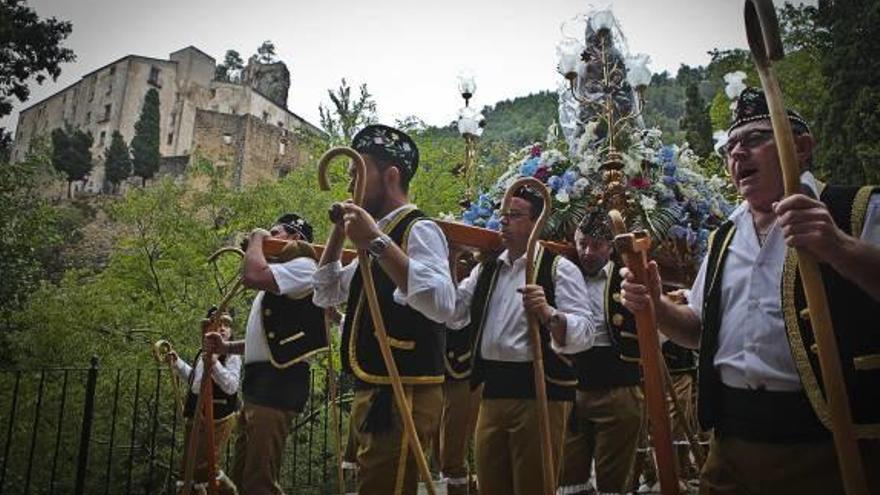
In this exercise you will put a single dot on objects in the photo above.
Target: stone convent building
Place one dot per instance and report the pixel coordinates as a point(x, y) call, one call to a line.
point(244, 127)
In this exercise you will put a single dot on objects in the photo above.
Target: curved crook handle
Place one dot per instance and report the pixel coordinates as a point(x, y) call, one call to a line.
point(762, 29)
point(360, 183)
point(220, 252)
point(541, 189)
point(618, 226)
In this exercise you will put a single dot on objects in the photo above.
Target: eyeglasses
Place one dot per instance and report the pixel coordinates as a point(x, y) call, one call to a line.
point(749, 140)
point(512, 215)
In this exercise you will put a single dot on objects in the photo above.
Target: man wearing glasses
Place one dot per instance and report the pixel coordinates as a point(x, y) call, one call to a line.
point(508, 455)
point(284, 329)
point(758, 368)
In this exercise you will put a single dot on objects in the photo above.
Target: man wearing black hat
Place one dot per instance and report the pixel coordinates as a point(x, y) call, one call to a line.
point(284, 329)
point(759, 381)
point(408, 260)
point(604, 425)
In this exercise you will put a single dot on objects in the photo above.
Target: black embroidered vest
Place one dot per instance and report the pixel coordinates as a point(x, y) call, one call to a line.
point(616, 365)
point(224, 404)
point(854, 319)
point(417, 343)
point(293, 328)
point(558, 369)
point(851, 310)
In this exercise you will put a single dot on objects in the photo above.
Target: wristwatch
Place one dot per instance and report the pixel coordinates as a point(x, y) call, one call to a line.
point(378, 245)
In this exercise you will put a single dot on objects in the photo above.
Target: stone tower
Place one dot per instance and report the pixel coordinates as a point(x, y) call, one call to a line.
point(272, 80)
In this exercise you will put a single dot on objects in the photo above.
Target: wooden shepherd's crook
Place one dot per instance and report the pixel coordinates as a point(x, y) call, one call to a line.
point(762, 29)
point(334, 406)
point(409, 426)
point(548, 466)
point(633, 248)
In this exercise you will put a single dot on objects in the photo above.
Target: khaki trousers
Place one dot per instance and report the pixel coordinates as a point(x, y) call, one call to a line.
point(457, 424)
point(608, 424)
point(386, 463)
point(222, 431)
point(262, 435)
point(736, 466)
point(508, 445)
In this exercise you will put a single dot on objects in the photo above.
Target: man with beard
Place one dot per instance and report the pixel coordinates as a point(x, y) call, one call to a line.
point(408, 261)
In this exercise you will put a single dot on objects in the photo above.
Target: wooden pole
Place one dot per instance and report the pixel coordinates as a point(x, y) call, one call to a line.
point(634, 248)
point(765, 43)
point(376, 314)
point(547, 464)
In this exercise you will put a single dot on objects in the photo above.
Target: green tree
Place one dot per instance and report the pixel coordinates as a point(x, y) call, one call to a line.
point(117, 161)
point(230, 69)
point(266, 52)
point(145, 144)
point(853, 81)
point(696, 122)
point(71, 155)
point(30, 47)
point(349, 114)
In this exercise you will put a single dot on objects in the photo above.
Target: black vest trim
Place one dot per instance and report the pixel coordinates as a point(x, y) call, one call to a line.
point(303, 329)
point(709, 384)
point(351, 357)
point(848, 207)
point(619, 321)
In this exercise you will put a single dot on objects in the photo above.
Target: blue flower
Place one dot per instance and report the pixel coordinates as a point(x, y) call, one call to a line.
point(469, 216)
point(555, 182)
point(493, 223)
point(568, 179)
point(530, 166)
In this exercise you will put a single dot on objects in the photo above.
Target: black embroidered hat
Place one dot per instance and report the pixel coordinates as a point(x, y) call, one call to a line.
point(596, 224)
point(292, 221)
point(752, 106)
point(388, 143)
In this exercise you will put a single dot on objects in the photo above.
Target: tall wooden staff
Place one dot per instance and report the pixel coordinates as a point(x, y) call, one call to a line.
point(360, 184)
point(762, 29)
point(547, 464)
point(334, 406)
point(633, 248)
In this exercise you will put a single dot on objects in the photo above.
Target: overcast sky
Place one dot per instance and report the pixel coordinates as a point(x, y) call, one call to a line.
point(407, 51)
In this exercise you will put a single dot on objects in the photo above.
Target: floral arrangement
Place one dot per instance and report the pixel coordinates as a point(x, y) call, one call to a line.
point(667, 192)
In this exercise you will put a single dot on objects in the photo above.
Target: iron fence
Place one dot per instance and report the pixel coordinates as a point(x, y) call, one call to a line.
point(96, 430)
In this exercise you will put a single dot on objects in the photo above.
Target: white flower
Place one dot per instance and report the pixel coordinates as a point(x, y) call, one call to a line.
point(720, 138)
point(562, 196)
point(735, 84)
point(631, 166)
point(589, 164)
point(648, 203)
point(446, 217)
point(551, 157)
point(579, 186)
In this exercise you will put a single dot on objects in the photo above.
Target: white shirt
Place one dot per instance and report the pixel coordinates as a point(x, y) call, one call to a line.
point(595, 296)
point(226, 377)
point(505, 331)
point(430, 288)
point(753, 350)
point(294, 278)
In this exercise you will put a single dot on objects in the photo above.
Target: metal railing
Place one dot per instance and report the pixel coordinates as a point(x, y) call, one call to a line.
point(112, 431)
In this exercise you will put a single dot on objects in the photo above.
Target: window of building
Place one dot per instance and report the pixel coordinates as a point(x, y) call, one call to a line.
point(109, 88)
point(281, 124)
point(227, 138)
point(101, 138)
point(282, 146)
point(154, 77)
point(170, 140)
point(113, 70)
point(106, 117)
point(266, 116)
point(92, 89)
